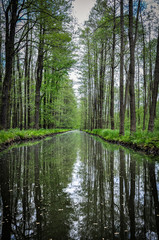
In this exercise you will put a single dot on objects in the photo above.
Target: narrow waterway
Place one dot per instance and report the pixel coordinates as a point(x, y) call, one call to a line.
point(75, 186)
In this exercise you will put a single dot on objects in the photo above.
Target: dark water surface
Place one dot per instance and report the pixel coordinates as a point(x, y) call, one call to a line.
point(74, 186)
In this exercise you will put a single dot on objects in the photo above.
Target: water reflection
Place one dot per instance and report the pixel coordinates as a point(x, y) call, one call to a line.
point(74, 186)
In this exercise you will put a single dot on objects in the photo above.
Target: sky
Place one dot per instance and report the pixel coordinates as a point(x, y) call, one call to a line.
point(81, 9)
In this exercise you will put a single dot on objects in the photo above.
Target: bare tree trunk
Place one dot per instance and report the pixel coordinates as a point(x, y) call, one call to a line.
point(121, 69)
point(25, 83)
point(14, 97)
point(126, 90)
point(154, 90)
point(28, 84)
point(9, 53)
point(39, 77)
point(89, 87)
point(101, 84)
point(20, 104)
point(95, 103)
point(144, 71)
point(132, 70)
point(138, 84)
point(112, 77)
point(150, 71)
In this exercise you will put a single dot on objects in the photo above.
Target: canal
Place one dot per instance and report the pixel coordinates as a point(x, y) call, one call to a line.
point(76, 186)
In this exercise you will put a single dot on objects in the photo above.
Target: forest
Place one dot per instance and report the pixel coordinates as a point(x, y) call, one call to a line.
point(116, 54)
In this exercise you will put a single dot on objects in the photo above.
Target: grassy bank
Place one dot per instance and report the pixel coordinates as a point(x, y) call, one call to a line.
point(141, 140)
point(11, 136)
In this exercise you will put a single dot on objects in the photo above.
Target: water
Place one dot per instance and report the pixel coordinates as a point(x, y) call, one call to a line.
point(75, 186)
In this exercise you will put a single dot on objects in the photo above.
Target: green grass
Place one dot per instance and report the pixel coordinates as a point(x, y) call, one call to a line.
point(7, 136)
point(140, 138)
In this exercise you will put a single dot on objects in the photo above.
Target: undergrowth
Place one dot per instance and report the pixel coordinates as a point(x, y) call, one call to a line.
point(10, 135)
point(140, 137)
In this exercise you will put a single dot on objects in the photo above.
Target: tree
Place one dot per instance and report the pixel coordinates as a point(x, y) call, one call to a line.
point(154, 90)
point(122, 112)
point(132, 41)
point(11, 16)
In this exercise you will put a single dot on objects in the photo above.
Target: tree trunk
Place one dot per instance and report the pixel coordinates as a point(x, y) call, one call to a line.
point(138, 86)
point(28, 82)
point(154, 90)
point(112, 69)
point(101, 85)
point(14, 101)
point(95, 103)
point(25, 83)
point(121, 69)
point(9, 53)
point(89, 87)
point(39, 76)
point(150, 71)
point(132, 70)
point(144, 71)
point(20, 103)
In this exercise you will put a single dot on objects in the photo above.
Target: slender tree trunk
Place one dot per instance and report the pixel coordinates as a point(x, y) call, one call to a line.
point(138, 84)
point(132, 70)
point(89, 87)
point(132, 42)
point(28, 85)
point(9, 53)
point(144, 71)
point(155, 90)
point(101, 85)
point(20, 103)
point(14, 101)
point(126, 91)
point(39, 77)
point(25, 83)
point(150, 71)
point(95, 106)
point(121, 69)
point(112, 70)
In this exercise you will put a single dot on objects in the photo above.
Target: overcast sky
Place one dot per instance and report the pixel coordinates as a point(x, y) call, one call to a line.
point(81, 9)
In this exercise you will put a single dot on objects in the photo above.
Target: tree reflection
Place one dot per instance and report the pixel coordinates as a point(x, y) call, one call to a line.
point(152, 175)
point(77, 187)
point(121, 174)
point(5, 193)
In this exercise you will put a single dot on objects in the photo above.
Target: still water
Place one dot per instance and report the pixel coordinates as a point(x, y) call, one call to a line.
point(75, 186)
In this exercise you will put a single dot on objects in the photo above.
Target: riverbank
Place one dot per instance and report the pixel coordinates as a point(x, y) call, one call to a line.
point(139, 141)
point(11, 136)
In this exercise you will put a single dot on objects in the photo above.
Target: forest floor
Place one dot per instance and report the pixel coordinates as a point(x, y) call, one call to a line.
point(11, 136)
point(147, 142)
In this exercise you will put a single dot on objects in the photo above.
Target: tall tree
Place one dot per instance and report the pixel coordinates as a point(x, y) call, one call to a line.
point(122, 112)
point(154, 90)
point(11, 16)
point(39, 75)
point(132, 42)
point(113, 68)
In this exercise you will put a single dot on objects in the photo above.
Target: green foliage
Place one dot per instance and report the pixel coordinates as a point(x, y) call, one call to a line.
point(61, 110)
point(142, 138)
point(17, 134)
